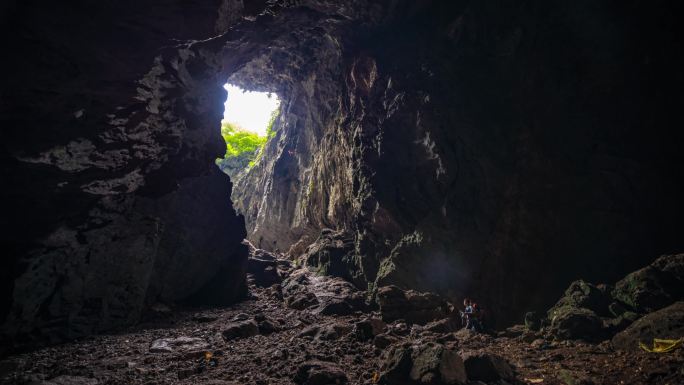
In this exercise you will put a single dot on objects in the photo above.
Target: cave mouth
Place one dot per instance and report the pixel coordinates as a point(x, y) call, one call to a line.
point(248, 123)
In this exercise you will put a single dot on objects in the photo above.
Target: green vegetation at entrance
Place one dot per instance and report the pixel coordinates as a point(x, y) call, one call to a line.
point(243, 147)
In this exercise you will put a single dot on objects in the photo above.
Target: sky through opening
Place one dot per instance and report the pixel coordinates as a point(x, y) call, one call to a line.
point(250, 110)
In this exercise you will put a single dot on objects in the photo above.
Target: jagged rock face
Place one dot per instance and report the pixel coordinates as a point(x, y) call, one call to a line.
point(111, 201)
point(666, 323)
point(464, 148)
point(484, 150)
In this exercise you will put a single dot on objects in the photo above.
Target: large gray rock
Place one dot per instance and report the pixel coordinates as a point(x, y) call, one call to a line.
point(410, 305)
point(655, 286)
point(598, 312)
point(118, 204)
point(320, 373)
point(569, 322)
point(178, 344)
point(581, 294)
point(324, 295)
point(240, 329)
point(482, 197)
point(666, 323)
point(368, 328)
point(421, 363)
point(333, 253)
point(576, 314)
point(487, 367)
point(262, 267)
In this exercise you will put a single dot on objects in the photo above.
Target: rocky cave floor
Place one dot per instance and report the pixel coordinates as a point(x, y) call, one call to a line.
point(309, 330)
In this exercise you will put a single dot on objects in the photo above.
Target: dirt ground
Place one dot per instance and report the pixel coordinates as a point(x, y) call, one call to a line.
point(204, 357)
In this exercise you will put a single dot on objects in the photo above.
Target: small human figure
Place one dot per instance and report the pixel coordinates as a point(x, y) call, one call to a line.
point(467, 311)
point(477, 317)
point(470, 315)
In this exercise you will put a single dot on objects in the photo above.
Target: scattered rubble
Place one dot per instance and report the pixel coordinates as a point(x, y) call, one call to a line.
point(412, 339)
point(598, 312)
point(179, 344)
point(410, 305)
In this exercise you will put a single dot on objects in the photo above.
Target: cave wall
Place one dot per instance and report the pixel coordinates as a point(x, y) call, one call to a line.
point(541, 149)
point(281, 199)
point(488, 149)
point(111, 201)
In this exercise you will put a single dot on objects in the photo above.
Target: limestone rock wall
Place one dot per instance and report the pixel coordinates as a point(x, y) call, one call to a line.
point(488, 149)
point(111, 201)
point(485, 149)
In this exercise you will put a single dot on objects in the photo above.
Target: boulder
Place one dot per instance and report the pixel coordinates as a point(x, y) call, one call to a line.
point(487, 367)
point(262, 267)
point(267, 327)
point(309, 331)
point(446, 325)
point(410, 305)
point(619, 323)
point(334, 331)
point(368, 328)
point(581, 294)
point(653, 287)
point(301, 301)
point(532, 320)
point(341, 305)
point(333, 254)
point(421, 363)
point(320, 373)
point(667, 323)
point(569, 322)
point(179, 344)
point(513, 331)
point(337, 296)
point(595, 312)
point(240, 329)
point(330, 295)
point(672, 265)
point(296, 293)
point(382, 341)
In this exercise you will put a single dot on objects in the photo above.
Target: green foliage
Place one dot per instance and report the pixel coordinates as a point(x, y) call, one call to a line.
point(269, 129)
point(243, 148)
point(240, 141)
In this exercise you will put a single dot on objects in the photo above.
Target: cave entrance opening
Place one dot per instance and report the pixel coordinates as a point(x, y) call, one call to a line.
point(247, 125)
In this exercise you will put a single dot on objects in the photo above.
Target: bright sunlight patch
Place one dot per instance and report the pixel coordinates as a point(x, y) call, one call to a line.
point(250, 110)
point(247, 124)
